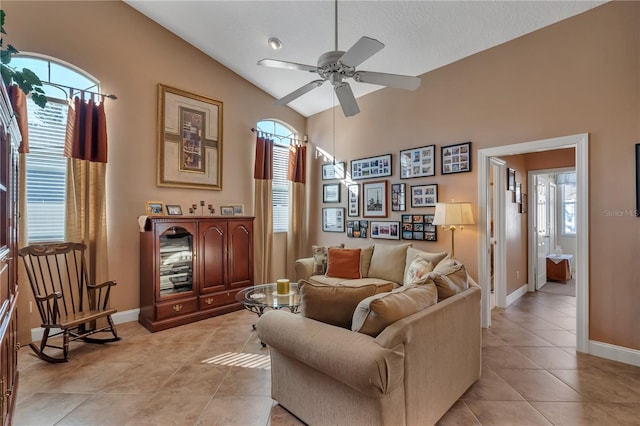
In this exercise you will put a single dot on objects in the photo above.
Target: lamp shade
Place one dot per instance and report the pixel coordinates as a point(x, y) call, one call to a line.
point(453, 214)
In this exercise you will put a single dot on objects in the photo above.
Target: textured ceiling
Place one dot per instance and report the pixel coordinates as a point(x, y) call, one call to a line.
point(419, 35)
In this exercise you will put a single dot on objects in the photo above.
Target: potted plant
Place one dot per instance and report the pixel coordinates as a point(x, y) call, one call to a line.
point(26, 79)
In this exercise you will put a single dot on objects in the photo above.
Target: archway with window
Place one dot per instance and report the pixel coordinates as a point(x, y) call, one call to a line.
point(45, 167)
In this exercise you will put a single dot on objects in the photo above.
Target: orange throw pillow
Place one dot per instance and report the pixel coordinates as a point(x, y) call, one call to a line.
point(343, 263)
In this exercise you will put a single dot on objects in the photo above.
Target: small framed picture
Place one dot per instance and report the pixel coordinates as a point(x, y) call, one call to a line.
point(455, 158)
point(372, 167)
point(424, 195)
point(331, 193)
point(398, 203)
point(418, 162)
point(238, 209)
point(357, 228)
point(523, 204)
point(374, 199)
point(517, 197)
point(419, 227)
point(174, 210)
point(353, 200)
point(226, 210)
point(511, 179)
point(333, 219)
point(333, 171)
point(385, 230)
point(154, 208)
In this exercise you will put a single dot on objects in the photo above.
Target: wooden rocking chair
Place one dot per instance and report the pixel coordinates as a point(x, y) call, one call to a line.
point(67, 303)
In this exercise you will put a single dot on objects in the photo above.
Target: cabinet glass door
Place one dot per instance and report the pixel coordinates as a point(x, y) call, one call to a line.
point(176, 261)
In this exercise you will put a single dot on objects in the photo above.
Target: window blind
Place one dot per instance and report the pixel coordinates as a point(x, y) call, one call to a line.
point(280, 186)
point(46, 170)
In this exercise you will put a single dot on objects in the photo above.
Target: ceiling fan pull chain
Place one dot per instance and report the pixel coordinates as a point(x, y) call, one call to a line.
point(336, 24)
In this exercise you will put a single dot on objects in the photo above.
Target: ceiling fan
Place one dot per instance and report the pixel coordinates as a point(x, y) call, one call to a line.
point(337, 65)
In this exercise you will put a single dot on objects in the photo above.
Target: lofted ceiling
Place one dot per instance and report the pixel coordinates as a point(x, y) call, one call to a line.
point(419, 36)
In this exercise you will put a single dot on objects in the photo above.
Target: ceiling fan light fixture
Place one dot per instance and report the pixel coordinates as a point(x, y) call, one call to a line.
point(274, 43)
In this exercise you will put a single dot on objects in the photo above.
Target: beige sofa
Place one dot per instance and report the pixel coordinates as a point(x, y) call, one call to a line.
point(410, 374)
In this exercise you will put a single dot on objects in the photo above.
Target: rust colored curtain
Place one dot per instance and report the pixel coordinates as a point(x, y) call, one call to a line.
point(19, 103)
point(263, 210)
point(87, 139)
point(297, 235)
point(86, 213)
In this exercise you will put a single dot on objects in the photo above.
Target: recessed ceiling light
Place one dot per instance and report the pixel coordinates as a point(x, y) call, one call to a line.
point(275, 43)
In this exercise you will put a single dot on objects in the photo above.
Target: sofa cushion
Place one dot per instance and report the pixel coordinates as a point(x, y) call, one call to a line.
point(385, 285)
point(365, 260)
point(320, 258)
point(434, 258)
point(332, 304)
point(417, 272)
point(343, 263)
point(375, 313)
point(450, 277)
point(388, 261)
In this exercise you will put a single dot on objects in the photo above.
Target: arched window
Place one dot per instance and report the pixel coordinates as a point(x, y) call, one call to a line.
point(282, 136)
point(46, 167)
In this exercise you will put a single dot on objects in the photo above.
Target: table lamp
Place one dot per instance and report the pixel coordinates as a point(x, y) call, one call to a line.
point(452, 216)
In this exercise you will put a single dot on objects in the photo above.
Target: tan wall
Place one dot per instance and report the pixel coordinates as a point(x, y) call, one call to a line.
point(130, 55)
point(580, 75)
point(516, 226)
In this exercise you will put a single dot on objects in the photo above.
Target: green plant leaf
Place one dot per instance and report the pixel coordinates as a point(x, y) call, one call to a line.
point(5, 57)
point(12, 49)
point(38, 99)
point(2, 15)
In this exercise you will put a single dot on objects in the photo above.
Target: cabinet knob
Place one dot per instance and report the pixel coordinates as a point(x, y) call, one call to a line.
point(177, 308)
point(209, 300)
point(17, 347)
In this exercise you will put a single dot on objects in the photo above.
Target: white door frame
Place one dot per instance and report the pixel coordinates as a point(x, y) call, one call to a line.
point(581, 144)
point(499, 233)
point(531, 221)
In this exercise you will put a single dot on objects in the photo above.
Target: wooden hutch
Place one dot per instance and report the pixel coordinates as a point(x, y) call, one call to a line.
point(191, 268)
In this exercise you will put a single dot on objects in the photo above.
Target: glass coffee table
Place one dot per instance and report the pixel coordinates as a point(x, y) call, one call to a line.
point(257, 298)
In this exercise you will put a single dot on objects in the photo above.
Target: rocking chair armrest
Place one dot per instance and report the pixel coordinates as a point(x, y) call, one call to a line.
point(41, 298)
point(104, 284)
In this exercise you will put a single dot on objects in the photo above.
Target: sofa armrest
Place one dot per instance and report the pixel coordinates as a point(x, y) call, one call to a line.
point(351, 358)
point(304, 268)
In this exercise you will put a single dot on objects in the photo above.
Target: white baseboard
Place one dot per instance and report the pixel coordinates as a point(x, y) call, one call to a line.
point(615, 353)
point(118, 318)
point(517, 294)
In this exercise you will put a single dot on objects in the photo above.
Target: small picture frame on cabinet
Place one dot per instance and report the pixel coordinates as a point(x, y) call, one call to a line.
point(154, 208)
point(174, 210)
point(226, 211)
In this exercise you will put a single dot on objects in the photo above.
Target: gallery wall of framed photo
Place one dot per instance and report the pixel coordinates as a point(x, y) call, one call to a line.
point(371, 188)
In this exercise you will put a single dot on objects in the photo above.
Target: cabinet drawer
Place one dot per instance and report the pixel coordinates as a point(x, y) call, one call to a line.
point(176, 308)
point(213, 300)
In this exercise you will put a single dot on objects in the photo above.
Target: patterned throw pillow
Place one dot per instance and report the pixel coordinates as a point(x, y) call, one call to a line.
point(320, 258)
point(418, 271)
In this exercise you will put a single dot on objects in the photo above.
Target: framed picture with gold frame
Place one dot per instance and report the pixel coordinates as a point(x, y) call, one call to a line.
point(154, 208)
point(189, 140)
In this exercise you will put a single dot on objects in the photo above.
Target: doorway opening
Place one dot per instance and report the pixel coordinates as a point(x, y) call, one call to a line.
point(580, 143)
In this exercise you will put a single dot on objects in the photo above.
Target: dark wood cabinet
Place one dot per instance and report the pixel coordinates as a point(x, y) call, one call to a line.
point(9, 140)
point(192, 267)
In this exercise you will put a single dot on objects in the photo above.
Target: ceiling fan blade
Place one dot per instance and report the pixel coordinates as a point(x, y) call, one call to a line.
point(299, 92)
point(347, 100)
point(364, 48)
point(390, 80)
point(274, 63)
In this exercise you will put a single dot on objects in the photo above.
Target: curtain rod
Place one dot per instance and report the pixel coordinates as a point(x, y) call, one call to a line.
point(64, 86)
point(294, 139)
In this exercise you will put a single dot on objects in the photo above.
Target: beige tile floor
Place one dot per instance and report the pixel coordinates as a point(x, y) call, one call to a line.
point(531, 375)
